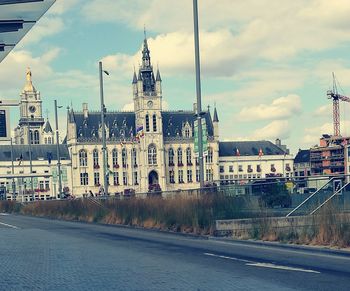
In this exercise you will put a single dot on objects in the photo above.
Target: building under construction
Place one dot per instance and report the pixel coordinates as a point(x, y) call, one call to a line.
point(331, 156)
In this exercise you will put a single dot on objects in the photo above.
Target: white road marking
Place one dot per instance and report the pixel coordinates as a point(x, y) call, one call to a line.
point(9, 225)
point(4, 214)
point(272, 266)
point(228, 258)
point(262, 265)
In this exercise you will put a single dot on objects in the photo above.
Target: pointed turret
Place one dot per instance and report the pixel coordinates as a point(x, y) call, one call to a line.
point(158, 83)
point(216, 118)
point(134, 79)
point(47, 127)
point(158, 78)
point(216, 124)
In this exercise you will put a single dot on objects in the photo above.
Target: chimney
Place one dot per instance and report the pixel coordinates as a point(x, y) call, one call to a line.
point(85, 110)
point(278, 142)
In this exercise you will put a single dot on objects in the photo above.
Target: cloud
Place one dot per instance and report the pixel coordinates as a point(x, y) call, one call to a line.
point(13, 69)
point(324, 111)
point(275, 129)
point(45, 27)
point(62, 6)
point(258, 33)
point(283, 107)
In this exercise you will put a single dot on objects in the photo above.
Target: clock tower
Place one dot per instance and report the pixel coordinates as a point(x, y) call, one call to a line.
point(147, 95)
point(31, 121)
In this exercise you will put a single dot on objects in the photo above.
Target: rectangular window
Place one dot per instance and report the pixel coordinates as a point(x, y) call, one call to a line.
point(154, 123)
point(222, 169)
point(230, 169)
point(171, 177)
point(189, 176)
point(250, 169)
point(84, 179)
point(240, 168)
point(135, 179)
point(41, 185)
point(125, 179)
point(47, 185)
point(97, 179)
point(197, 175)
point(147, 123)
point(258, 168)
point(207, 175)
point(181, 176)
point(116, 179)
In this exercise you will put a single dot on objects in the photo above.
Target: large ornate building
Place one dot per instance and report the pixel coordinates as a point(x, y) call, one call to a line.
point(147, 149)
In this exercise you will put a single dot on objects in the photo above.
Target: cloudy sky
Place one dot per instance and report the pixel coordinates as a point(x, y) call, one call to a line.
point(266, 64)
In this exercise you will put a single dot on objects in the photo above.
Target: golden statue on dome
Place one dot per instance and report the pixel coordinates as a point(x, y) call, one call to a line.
point(29, 85)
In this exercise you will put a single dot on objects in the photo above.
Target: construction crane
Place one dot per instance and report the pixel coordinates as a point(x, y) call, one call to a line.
point(333, 94)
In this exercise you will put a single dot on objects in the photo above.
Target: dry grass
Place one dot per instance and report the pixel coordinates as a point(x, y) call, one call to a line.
point(194, 215)
point(328, 228)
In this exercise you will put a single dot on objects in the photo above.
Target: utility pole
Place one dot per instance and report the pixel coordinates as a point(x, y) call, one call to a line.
point(104, 148)
point(199, 95)
point(58, 154)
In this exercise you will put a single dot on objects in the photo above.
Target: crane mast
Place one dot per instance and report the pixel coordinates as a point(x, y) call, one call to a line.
point(333, 94)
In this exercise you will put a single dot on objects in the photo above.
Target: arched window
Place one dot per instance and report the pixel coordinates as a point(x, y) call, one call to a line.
point(115, 158)
point(187, 132)
point(45, 140)
point(124, 157)
point(49, 140)
point(36, 137)
point(209, 157)
point(171, 157)
point(179, 157)
point(189, 157)
point(83, 158)
point(95, 158)
point(152, 155)
point(147, 123)
point(154, 122)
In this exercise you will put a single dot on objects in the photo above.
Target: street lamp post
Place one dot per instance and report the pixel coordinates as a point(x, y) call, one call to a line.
point(31, 138)
point(13, 172)
point(58, 153)
point(199, 97)
point(104, 147)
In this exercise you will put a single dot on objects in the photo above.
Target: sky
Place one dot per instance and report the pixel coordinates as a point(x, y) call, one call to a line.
point(266, 64)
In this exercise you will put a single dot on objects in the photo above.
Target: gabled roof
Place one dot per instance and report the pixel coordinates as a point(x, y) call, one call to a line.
point(303, 156)
point(120, 124)
point(248, 148)
point(47, 127)
point(38, 152)
point(174, 120)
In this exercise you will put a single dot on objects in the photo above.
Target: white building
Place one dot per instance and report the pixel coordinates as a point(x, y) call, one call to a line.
point(245, 160)
point(44, 162)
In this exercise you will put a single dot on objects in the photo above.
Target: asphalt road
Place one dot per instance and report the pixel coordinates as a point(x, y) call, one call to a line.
point(43, 254)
